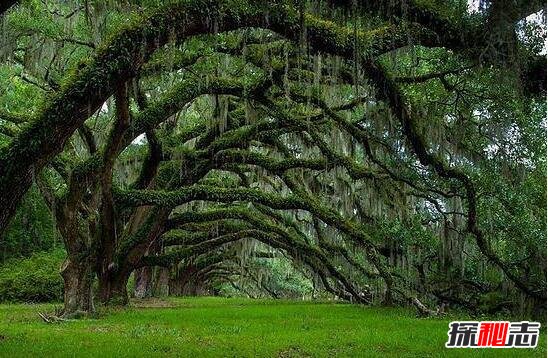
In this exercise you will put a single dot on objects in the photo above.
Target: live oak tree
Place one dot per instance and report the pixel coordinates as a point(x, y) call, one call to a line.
point(393, 151)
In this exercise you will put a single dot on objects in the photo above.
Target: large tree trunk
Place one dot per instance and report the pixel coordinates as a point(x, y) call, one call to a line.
point(161, 284)
point(175, 286)
point(179, 284)
point(143, 282)
point(113, 288)
point(388, 297)
point(78, 296)
point(145, 276)
point(194, 288)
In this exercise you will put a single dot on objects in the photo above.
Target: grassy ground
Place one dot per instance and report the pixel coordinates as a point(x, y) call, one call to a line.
point(218, 327)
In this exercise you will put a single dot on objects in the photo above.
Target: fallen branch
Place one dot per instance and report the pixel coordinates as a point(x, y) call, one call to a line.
point(51, 318)
point(423, 311)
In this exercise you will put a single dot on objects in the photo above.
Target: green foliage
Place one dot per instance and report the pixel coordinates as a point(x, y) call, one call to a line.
point(278, 275)
point(32, 229)
point(17, 95)
point(286, 280)
point(34, 279)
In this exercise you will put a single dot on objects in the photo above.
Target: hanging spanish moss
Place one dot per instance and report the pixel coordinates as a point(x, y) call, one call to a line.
point(369, 152)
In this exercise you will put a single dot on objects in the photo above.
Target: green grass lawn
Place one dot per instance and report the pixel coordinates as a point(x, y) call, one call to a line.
point(202, 327)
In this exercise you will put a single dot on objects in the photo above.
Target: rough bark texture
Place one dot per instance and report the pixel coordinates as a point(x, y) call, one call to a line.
point(161, 282)
point(113, 288)
point(143, 282)
point(78, 295)
point(187, 282)
point(175, 286)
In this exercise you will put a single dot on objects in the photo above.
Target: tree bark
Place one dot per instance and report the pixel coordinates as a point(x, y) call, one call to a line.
point(113, 288)
point(143, 282)
point(161, 282)
point(78, 295)
point(175, 286)
point(182, 284)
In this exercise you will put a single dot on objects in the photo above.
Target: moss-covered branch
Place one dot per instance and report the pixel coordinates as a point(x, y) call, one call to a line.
point(175, 256)
point(273, 165)
point(203, 192)
point(315, 257)
point(391, 93)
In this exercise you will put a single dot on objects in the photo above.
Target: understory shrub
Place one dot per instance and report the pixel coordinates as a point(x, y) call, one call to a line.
point(33, 279)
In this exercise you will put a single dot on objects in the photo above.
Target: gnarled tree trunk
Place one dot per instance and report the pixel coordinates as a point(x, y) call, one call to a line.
point(161, 282)
point(78, 295)
point(145, 276)
point(143, 282)
point(113, 287)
